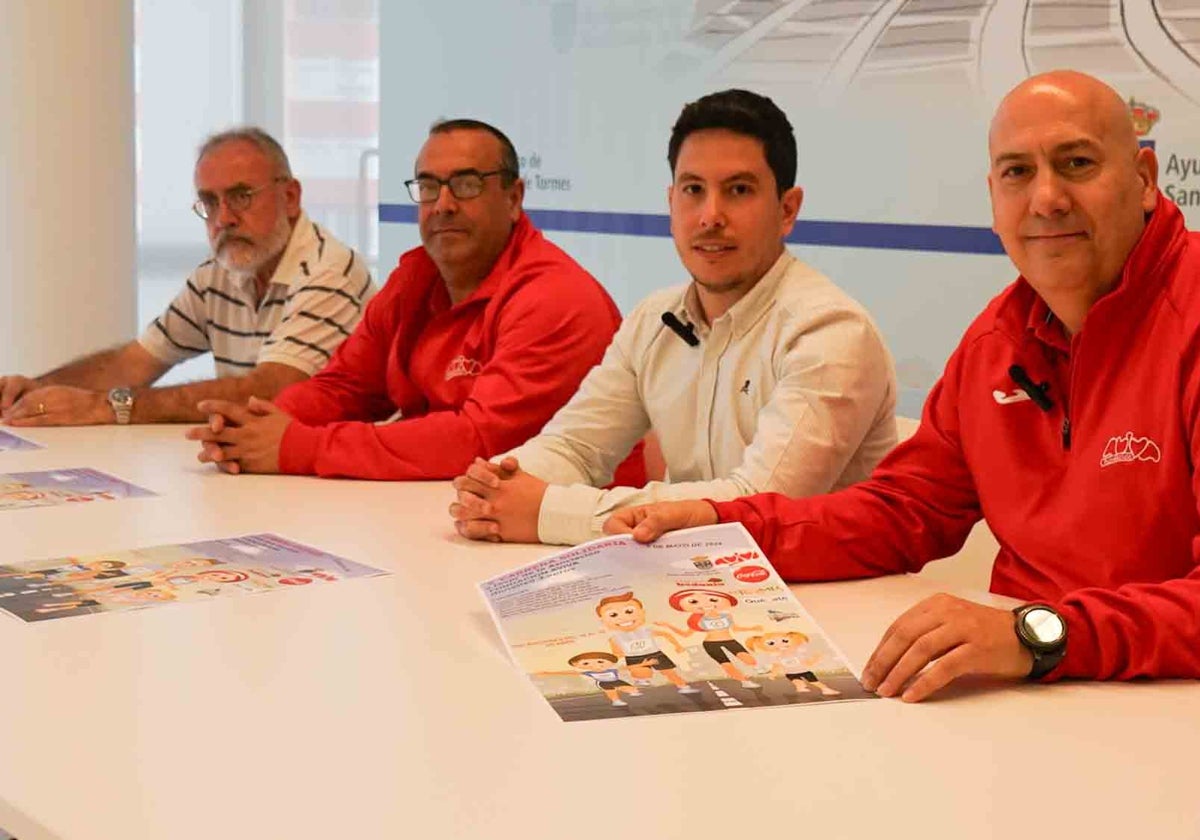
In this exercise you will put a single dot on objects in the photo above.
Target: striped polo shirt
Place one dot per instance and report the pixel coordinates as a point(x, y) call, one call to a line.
point(314, 300)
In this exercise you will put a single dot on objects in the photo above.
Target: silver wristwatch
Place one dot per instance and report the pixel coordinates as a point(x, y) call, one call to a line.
point(121, 400)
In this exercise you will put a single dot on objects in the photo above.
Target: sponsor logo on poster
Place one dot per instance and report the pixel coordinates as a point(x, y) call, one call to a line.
point(751, 574)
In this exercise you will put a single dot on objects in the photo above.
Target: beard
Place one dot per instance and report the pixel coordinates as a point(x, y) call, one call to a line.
point(241, 255)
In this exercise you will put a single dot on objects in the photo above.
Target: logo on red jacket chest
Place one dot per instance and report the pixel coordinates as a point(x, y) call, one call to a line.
point(462, 366)
point(1126, 448)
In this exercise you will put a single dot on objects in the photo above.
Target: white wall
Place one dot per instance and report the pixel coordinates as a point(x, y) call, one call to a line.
point(66, 180)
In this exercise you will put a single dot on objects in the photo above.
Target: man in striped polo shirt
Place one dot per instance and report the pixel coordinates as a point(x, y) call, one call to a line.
point(271, 305)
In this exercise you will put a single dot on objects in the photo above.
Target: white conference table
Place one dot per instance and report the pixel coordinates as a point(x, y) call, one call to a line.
point(386, 707)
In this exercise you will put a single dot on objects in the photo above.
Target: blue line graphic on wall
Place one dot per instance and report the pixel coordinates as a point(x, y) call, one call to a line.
point(946, 239)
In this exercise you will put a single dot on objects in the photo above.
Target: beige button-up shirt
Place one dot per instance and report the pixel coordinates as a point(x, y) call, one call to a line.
point(790, 391)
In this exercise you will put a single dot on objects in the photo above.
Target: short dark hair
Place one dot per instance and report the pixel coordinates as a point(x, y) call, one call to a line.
point(509, 162)
point(744, 112)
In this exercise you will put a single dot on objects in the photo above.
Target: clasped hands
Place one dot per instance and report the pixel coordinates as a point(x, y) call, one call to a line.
point(241, 439)
point(934, 643)
point(497, 502)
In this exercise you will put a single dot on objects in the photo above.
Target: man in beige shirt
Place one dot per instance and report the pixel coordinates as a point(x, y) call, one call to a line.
point(760, 375)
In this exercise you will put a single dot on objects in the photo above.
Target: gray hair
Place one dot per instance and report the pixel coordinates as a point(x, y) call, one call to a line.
point(264, 142)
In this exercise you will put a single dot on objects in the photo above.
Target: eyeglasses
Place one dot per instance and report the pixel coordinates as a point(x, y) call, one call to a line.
point(237, 199)
point(463, 185)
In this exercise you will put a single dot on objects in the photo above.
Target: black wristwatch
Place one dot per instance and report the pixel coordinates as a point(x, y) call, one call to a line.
point(1043, 632)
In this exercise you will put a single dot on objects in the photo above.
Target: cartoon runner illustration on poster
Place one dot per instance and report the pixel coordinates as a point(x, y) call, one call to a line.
point(711, 613)
point(611, 611)
point(789, 656)
point(625, 617)
point(601, 668)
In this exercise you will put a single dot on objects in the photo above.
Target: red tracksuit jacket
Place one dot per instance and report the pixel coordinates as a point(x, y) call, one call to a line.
point(475, 378)
point(1093, 502)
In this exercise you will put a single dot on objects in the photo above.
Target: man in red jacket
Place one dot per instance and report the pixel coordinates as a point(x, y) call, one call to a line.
point(1068, 417)
point(477, 339)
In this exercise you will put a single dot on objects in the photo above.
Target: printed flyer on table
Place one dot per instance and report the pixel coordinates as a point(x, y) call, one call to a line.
point(38, 590)
point(49, 488)
point(9, 441)
point(696, 621)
